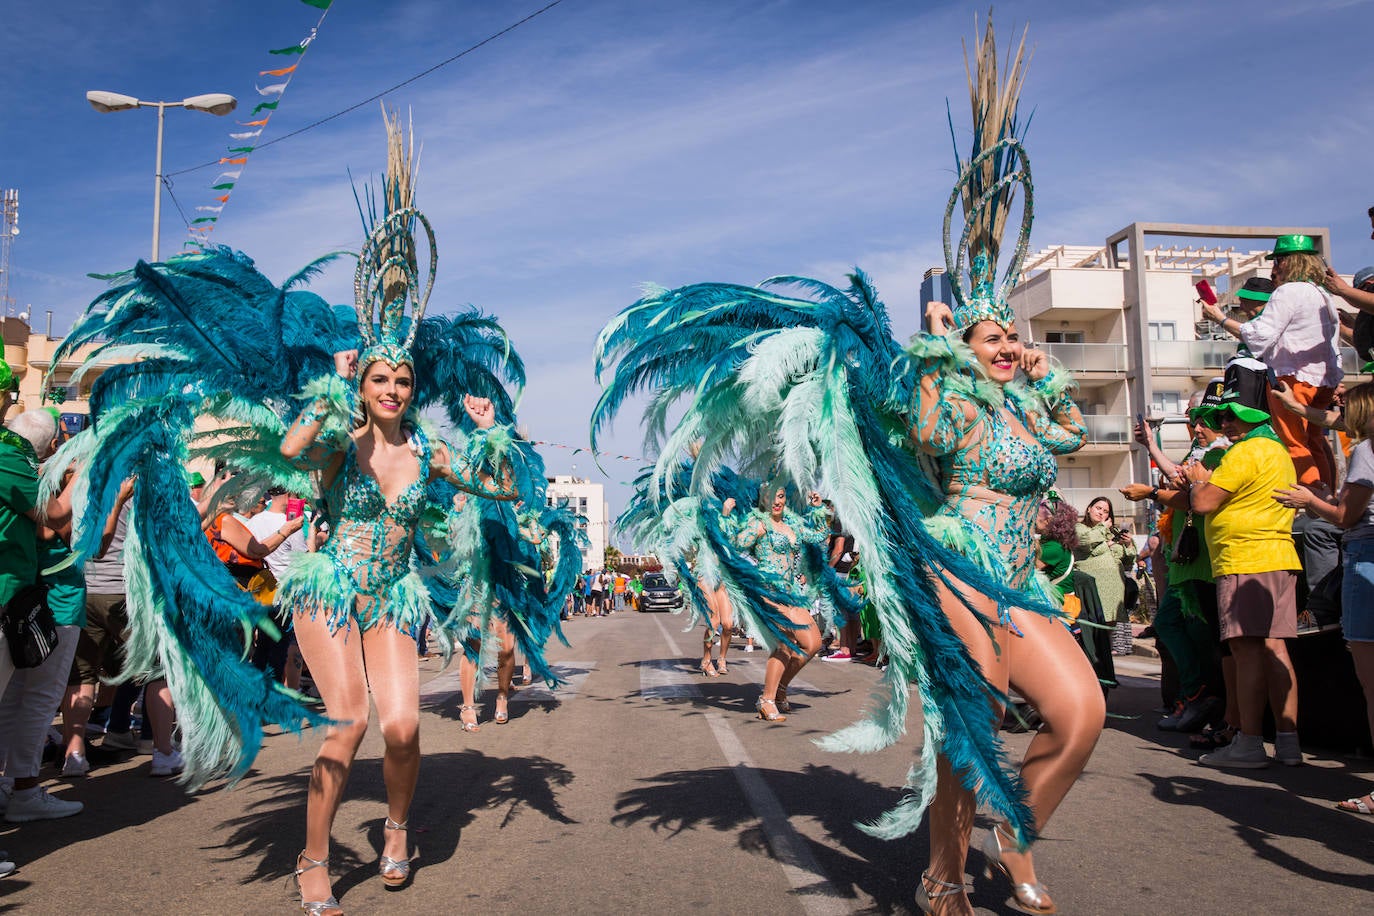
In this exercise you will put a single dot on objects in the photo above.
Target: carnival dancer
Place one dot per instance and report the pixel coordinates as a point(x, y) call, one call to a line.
point(227, 353)
point(776, 538)
point(944, 522)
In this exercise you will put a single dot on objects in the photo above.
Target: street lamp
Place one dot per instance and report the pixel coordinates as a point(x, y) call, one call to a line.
point(216, 103)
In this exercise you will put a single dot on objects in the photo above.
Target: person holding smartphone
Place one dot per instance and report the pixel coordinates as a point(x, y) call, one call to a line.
point(1296, 336)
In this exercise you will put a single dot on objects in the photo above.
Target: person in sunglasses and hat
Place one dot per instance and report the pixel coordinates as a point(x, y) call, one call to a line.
point(1255, 565)
point(1296, 335)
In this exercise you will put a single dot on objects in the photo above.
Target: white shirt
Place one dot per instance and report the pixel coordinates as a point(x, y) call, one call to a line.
point(267, 523)
point(1296, 335)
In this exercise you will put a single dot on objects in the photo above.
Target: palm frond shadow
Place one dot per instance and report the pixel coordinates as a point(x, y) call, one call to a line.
point(854, 862)
point(452, 789)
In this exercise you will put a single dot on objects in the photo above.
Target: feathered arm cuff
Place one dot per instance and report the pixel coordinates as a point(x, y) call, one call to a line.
point(815, 526)
point(1049, 409)
point(480, 464)
point(949, 391)
point(324, 424)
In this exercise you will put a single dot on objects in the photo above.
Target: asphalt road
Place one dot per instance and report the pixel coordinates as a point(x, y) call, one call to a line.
point(641, 787)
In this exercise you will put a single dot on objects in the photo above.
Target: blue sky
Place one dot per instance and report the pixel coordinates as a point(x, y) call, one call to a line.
point(609, 143)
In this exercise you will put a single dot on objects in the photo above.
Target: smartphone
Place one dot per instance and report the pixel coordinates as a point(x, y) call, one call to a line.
point(1140, 419)
point(295, 508)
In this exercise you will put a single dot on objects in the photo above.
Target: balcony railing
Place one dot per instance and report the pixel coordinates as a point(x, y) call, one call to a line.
point(1212, 355)
point(1090, 357)
point(1108, 429)
point(1122, 508)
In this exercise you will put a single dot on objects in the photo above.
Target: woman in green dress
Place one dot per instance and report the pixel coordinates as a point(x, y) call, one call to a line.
point(1103, 551)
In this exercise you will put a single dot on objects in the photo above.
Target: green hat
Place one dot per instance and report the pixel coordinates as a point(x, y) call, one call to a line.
point(196, 479)
point(1211, 400)
point(1293, 244)
point(6, 376)
point(1247, 391)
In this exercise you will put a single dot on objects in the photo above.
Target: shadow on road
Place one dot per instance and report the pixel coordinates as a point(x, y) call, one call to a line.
point(1263, 811)
point(452, 788)
point(854, 862)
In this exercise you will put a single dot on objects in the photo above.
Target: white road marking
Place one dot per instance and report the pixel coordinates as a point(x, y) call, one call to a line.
point(664, 679)
point(815, 893)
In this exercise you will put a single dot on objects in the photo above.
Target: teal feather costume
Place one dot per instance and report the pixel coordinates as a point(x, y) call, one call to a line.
point(912, 445)
point(222, 359)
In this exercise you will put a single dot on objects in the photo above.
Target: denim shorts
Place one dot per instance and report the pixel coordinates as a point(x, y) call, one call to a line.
point(1357, 591)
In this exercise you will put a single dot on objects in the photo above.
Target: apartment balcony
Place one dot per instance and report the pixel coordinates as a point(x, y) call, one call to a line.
point(1090, 357)
point(1202, 357)
point(1108, 429)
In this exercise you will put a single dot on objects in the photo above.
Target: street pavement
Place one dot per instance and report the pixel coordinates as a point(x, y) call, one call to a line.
point(642, 787)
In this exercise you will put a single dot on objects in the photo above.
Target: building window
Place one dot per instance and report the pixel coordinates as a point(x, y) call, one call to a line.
point(1069, 337)
point(1163, 330)
point(1165, 403)
point(582, 505)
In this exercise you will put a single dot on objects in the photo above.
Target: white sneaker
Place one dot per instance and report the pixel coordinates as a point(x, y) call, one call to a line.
point(1244, 753)
point(166, 764)
point(6, 868)
point(37, 805)
point(76, 765)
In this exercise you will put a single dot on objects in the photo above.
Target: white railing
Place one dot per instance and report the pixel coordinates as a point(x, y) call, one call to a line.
point(1109, 429)
point(1089, 357)
point(1212, 355)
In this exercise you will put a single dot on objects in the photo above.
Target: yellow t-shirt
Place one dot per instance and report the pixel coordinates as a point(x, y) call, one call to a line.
point(1252, 533)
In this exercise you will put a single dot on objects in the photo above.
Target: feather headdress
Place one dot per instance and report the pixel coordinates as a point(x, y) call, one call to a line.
point(986, 187)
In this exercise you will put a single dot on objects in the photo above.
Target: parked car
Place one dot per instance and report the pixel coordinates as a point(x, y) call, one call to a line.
point(658, 595)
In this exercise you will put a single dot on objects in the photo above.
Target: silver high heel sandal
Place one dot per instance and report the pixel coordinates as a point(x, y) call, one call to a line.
point(1028, 897)
point(468, 726)
point(315, 907)
point(395, 872)
point(925, 899)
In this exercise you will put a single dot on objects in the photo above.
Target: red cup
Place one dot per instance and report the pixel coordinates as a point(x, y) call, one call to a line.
point(295, 507)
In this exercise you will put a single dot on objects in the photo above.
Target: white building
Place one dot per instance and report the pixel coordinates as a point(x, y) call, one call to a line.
point(588, 500)
point(1124, 316)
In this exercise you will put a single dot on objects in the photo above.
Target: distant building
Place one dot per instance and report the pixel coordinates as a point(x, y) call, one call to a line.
point(935, 287)
point(30, 358)
point(588, 500)
point(1124, 317)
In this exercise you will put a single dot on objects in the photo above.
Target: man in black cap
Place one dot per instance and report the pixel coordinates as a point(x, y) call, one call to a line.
point(1255, 565)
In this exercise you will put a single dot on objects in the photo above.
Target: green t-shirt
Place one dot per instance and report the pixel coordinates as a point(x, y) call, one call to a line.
point(18, 532)
point(66, 587)
point(1058, 562)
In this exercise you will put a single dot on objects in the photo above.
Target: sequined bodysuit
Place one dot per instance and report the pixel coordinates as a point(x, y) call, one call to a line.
point(995, 447)
point(778, 554)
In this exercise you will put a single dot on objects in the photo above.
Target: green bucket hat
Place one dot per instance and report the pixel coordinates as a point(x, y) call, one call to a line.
point(1292, 244)
point(1246, 392)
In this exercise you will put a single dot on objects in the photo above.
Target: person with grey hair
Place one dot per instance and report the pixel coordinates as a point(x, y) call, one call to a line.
point(32, 694)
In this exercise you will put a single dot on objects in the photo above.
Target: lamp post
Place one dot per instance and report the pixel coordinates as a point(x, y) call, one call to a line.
point(216, 103)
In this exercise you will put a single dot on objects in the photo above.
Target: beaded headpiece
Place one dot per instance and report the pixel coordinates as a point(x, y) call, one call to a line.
point(388, 273)
point(986, 186)
point(388, 276)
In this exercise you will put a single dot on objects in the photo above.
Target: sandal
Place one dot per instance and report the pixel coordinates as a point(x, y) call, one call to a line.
point(1026, 896)
point(721, 669)
point(395, 872)
point(925, 898)
point(773, 716)
point(463, 723)
point(1363, 805)
point(315, 907)
point(709, 670)
point(783, 705)
point(501, 716)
